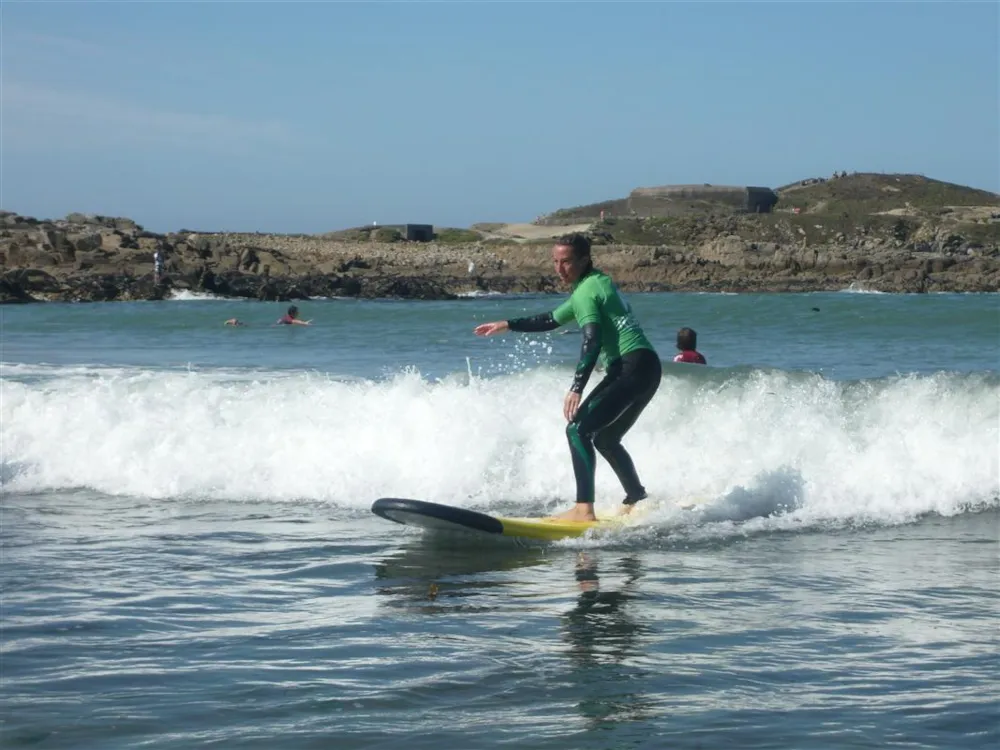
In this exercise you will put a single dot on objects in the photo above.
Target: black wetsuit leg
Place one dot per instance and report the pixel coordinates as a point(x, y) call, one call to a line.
point(606, 415)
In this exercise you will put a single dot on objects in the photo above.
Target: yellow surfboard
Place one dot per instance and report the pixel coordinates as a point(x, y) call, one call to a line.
point(551, 529)
point(440, 517)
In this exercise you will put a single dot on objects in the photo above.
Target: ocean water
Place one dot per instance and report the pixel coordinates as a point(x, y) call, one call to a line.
point(189, 558)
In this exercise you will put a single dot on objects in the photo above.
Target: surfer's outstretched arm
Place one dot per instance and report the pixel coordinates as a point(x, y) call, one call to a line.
point(488, 329)
point(532, 324)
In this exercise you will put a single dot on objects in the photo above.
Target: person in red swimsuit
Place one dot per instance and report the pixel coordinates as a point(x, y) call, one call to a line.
point(687, 342)
point(292, 318)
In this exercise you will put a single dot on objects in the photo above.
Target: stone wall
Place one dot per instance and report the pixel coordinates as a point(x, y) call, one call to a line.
point(678, 200)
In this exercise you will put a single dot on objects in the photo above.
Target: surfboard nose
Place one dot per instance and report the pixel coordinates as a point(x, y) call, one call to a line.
point(430, 515)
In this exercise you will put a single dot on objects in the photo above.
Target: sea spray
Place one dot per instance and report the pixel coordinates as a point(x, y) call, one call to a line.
point(886, 450)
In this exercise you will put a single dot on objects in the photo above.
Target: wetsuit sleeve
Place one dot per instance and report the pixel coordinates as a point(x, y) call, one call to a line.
point(543, 322)
point(589, 351)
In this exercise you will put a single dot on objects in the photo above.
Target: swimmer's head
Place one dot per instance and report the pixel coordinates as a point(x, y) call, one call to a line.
point(687, 339)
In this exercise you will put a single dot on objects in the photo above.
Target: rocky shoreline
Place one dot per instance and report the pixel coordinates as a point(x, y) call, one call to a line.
point(92, 258)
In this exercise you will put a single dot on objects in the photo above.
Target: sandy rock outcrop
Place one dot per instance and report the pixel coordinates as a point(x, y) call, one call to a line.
point(97, 258)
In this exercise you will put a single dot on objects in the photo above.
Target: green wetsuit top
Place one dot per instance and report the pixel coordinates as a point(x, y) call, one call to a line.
point(596, 299)
point(610, 328)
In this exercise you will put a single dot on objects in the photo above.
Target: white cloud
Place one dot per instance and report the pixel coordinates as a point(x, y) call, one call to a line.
point(42, 116)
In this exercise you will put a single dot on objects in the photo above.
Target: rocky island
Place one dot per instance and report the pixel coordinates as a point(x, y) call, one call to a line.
point(878, 232)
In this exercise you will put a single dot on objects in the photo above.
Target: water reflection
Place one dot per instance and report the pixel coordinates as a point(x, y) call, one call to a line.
point(599, 628)
point(603, 637)
point(530, 598)
point(432, 573)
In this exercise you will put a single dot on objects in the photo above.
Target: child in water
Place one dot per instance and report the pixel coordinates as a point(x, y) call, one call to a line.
point(687, 342)
point(292, 318)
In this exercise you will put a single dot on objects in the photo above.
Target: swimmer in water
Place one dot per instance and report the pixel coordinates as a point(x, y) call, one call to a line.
point(292, 318)
point(687, 343)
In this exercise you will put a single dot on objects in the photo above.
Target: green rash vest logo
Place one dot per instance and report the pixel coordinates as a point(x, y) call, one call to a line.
point(596, 299)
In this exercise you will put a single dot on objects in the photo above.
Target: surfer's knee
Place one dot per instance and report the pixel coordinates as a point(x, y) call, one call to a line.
point(605, 442)
point(576, 433)
point(572, 430)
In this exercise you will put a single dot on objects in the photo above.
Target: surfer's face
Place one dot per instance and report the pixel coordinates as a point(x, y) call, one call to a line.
point(567, 265)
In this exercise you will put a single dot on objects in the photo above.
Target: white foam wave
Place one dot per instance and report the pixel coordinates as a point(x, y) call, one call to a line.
point(475, 293)
point(857, 288)
point(769, 447)
point(186, 295)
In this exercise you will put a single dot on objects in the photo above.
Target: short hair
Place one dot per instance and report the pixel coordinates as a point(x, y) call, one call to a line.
point(687, 339)
point(579, 242)
point(292, 310)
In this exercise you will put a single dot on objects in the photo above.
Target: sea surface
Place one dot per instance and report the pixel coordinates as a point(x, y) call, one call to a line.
point(188, 558)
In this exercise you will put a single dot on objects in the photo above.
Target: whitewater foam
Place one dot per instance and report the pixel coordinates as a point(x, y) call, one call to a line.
point(186, 295)
point(760, 444)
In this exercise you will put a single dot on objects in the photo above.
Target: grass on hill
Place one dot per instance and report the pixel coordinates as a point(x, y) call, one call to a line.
point(857, 195)
point(454, 236)
point(868, 193)
point(854, 205)
point(784, 229)
point(591, 211)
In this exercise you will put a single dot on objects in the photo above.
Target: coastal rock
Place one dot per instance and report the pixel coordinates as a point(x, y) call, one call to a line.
point(14, 288)
point(90, 258)
point(33, 280)
point(407, 287)
point(83, 242)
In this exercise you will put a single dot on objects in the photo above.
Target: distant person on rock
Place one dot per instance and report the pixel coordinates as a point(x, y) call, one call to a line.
point(292, 318)
point(687, 343)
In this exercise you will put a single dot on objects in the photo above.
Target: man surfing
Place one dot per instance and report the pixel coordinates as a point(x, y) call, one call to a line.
point(632, 371)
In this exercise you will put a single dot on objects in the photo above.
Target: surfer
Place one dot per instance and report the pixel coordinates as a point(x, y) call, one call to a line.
point(687, 343)
point(292, 318)
point(632, 371)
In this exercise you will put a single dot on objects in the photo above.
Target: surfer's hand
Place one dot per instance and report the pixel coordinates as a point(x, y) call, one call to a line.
point(570, 405)
point(488, 329)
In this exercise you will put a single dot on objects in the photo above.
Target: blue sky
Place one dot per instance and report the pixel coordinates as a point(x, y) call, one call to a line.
point(307, 117)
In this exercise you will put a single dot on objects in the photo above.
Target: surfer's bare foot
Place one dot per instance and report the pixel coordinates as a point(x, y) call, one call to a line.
point(579, 512)
point(630, 502)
